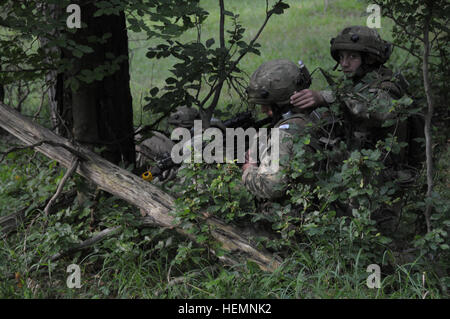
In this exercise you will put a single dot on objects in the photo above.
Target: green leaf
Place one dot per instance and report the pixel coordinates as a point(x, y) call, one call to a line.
point(77, 53)
point(154, 91)
point(85, 48)
point(171, 81)
point(74, 85)
point(150, 54)
point(210, 42)
point(279, 8)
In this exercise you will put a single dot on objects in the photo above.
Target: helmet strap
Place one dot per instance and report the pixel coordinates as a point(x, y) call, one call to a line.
point(361, 71)
point(278, 111)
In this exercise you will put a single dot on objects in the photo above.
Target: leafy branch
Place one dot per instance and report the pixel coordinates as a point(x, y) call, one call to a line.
point(204, 65)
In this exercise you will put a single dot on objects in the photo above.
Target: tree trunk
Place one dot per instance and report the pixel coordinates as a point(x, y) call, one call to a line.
point(428, 117)
point(155, 205)
point(52, 12)
point(102, 110)
point(2, 90)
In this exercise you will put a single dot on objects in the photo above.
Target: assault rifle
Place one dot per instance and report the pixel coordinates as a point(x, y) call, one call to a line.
point(244, 120)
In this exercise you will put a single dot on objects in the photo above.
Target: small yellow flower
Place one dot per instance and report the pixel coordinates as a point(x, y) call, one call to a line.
point(17, 177)
point(147, 176)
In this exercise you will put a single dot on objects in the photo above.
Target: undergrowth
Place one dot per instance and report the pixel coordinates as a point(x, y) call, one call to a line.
point(325, 258)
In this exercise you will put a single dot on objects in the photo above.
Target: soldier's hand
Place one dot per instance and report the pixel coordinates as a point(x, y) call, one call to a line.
point(307, 99)
point(249, 161)
point(249, 158)
point(247, 165)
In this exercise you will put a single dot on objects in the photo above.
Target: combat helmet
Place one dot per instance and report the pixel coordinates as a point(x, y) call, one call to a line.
point(184, 117)
point(275, 81)
point(362, 39)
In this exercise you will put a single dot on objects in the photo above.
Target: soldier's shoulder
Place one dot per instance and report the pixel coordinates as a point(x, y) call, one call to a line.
point(385, 80)
point(157, 139)
point(392, 88)
point(296, 121)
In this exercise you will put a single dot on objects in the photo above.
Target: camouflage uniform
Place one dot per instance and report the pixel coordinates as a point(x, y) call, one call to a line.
point(159, 145)
point(272, 84)
point(368, 105)
point(184, 117)
point(262, 181)
point(153, 148)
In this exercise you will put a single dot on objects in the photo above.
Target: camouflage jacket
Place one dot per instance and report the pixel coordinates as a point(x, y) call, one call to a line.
point(263, 181)
point(369, 110)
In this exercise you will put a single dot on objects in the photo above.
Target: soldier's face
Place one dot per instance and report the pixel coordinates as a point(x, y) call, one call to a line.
point(267, 110)
point(350, 61)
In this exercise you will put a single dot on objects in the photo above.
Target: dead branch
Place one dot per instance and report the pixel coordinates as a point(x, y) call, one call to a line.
point(88, 242)
point(428, 117)
point(35, 116)
point(66, 176)
point(183, 279)
point(70, 148)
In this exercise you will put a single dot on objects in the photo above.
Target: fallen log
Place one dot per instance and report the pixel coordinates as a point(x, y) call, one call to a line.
point(155, 204)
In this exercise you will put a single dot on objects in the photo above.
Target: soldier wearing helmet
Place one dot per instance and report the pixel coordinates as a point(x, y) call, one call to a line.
point(271, 86)
point(156, 146)
point(370, 111)
point(159, 146)
point(184, 117)
point(358, 50)
point(361, 54)
point(363, 41)
point(367, 101)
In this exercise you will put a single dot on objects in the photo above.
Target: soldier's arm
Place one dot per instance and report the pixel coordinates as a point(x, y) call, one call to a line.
point(373, 106)
point(327, 96)
point(265, 182)
point(307, 98)
point(264, 185)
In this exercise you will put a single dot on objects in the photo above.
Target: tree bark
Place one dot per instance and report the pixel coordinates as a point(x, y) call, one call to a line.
point(155, 205)
point(2, 90)
point(88, 242)
point(102, 109)
point(428, 117)
point(52, 78)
